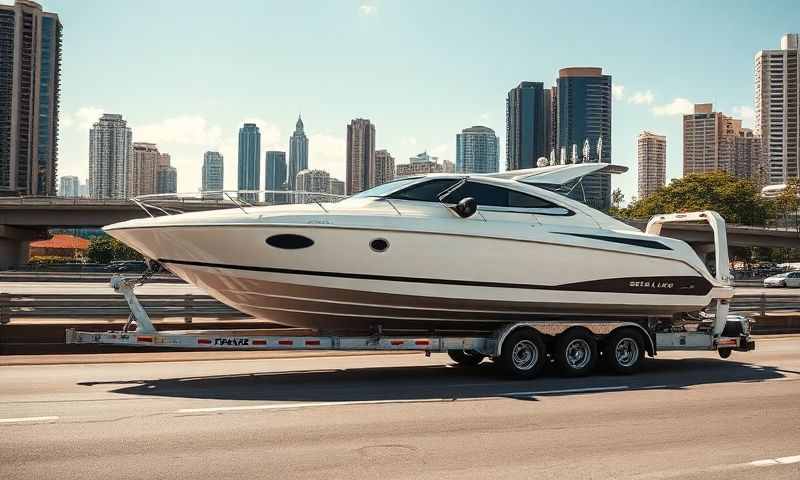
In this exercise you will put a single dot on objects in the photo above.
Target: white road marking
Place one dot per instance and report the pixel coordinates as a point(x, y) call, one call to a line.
point(776, 461)
point(282, 406)
point(27, 419)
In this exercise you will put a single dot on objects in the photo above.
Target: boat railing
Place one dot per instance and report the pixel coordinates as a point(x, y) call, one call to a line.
point(161, 204)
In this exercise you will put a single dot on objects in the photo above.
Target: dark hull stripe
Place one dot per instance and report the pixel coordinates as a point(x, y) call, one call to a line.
point(680, 285)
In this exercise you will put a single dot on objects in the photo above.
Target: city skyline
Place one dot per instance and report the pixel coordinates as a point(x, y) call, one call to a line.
point(204, 115)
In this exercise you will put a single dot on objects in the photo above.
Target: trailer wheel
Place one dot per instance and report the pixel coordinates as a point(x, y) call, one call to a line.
point(523, 355)
point(624, 351)
point(576, 352)
point(464, 358)
point(724, 352)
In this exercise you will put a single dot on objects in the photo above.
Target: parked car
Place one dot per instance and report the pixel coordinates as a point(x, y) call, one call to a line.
point(788, 279)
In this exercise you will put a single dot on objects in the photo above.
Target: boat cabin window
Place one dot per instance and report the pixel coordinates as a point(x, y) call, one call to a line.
point(426, 191)
point(493, 197)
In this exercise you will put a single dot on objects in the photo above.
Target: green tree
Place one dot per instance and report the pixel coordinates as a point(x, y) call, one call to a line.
point(617, 198)
point(104, 249)
point(787, 204)
point(738, 201)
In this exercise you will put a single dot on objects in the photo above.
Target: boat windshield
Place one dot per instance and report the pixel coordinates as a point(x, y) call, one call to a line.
point(387, 188)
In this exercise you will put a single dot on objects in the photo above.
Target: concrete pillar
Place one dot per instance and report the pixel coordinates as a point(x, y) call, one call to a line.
point(15, 243)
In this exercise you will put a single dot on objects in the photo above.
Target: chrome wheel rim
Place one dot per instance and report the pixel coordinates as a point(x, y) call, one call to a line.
point(578, 354)
point(627, 352)
point(525, 355)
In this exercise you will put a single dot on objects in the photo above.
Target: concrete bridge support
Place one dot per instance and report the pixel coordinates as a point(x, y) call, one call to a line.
point(14, 244)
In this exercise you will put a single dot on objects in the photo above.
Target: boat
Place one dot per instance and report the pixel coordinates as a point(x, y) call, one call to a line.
point(433, 252)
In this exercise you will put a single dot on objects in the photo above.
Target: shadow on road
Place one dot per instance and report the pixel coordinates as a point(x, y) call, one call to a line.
point(435, 382)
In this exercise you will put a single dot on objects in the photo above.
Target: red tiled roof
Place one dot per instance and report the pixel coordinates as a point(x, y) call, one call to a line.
point(64, 241)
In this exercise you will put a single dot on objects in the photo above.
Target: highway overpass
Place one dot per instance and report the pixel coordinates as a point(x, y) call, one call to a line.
point(26, 219)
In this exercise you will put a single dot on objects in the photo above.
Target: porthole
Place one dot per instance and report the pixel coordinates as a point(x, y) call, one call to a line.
point(379, 245)
point(289, 241)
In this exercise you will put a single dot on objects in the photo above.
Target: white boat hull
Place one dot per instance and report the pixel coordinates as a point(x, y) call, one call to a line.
point(423, 280)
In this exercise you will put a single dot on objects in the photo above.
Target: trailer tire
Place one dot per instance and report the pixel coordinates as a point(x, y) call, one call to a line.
point(523, 355)
point(464, 358)
point(724, 352)
point(624, 351)
point(576, 352)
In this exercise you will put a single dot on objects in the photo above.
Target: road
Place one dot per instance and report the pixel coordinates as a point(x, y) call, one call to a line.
point(85, 288)
point(688, 416)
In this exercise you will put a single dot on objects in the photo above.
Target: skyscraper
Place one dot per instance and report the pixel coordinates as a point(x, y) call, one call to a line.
point(275, 174)
point(249, 160)
point(477, 150)
point(384, 167)
point(167, 179)
point(143, 169)
point(528, 125)
point(110, 152)
point(298, 152)
point(713, 141)
point(30, 69)
point(213, 174)
point(652, 163)
point(360, 156)
point(584, 112)
point(777, 109)
point(69, 187)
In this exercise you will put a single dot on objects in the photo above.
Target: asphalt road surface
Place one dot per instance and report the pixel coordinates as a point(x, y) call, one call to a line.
point(84, 288)
point(688, 416)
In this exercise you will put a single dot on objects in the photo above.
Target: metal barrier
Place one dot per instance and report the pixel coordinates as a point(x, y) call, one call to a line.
point(71, 306)
point(188, 306)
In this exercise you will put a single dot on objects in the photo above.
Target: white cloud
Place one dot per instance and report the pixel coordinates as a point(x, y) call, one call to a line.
point(327, 152)
point(181, 130)
point(679, 106)
point(444, 151)
point(484, 116)
point(81, 119)
point(746, 113)
point(618, 91)
point(642, 98)
point(366, 10)
point(410, 141)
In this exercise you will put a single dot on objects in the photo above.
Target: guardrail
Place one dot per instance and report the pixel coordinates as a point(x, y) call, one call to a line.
point(71, 306)
point(189, 306)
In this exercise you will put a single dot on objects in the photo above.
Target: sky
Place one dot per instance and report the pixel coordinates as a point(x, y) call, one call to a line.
point(187, 74)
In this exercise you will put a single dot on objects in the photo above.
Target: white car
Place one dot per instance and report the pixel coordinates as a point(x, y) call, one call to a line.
point(788, 279)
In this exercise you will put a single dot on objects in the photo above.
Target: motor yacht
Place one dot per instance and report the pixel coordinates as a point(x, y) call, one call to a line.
point(439, 251)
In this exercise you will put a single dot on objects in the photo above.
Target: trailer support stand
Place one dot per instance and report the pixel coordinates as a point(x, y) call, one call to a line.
point(125, 286)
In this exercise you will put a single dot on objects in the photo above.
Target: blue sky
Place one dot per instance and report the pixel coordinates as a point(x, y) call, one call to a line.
point(186, 74)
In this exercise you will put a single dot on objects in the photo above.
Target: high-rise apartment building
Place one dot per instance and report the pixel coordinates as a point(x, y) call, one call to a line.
point(360, 173)
point(652, 163)
point(584, 113)
point(69, 187)
point(477, 150)
point(213, 174)
point(110, 152)
point(337, 186)
point(167, 179)
point(528, 125)
point(777, 109)
point(422, 168)
point(311, 181)
point(298, 152)
point(384, 167)
point(249, 161)
point(713, 141)
point(143, 169)
point(275, 174)
point(30, 70)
